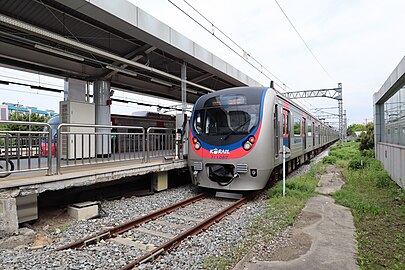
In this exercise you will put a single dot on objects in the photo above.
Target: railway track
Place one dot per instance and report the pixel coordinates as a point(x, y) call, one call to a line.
point(164, 227)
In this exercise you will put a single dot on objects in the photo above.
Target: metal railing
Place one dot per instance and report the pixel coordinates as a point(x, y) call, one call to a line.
point(79, 145)
point(82, 144)
point(160, 142)
point(27, 150)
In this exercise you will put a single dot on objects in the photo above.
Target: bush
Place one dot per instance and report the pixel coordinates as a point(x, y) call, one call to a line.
point(368, 153)
point(329, 160)
point(357, 163)
point(367, 138)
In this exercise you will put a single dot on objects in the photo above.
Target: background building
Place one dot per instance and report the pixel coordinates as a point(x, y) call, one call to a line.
point(389, 124)
point(7, 109)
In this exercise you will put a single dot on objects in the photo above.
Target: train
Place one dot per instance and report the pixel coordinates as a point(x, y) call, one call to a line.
point(236, 136)
point(143, 119)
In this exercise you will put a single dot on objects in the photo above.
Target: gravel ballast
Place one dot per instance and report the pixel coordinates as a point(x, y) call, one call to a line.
point(230, 232)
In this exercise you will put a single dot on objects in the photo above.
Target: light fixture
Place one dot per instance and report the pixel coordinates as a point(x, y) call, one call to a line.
point(161, 82)
point(59, 52)
point(46, 89)
point(192, 92)
point(124, 71)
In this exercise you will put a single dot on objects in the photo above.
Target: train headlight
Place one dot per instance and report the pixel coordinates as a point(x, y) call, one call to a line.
point(197, 144)
point(247, 146)
point(249, 143)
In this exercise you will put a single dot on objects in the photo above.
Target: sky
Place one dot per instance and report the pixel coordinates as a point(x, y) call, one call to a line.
point(357, 42)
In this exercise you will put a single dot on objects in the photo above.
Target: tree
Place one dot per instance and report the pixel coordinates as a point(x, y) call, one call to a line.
point(355, 127)
point(17, 116)
point(367, 138)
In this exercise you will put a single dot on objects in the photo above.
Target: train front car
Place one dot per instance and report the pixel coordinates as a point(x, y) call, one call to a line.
point(228, 145)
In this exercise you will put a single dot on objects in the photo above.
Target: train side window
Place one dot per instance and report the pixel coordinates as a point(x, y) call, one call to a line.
point(297, 127)
point(276, 132)
point(403, 130)
point(310, 129)
point(312, 133)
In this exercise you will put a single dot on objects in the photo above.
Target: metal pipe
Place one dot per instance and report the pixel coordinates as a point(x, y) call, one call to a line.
point(59, 152)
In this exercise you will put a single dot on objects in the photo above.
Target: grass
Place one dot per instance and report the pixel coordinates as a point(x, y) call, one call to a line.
point(378, 207)
point(377, 203)
point(281, 212)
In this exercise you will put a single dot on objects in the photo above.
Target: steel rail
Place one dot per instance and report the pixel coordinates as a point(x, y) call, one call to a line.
point(111, 233)
point(175, 242)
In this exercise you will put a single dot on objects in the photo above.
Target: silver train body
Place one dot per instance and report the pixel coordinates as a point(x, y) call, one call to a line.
point(236, 136)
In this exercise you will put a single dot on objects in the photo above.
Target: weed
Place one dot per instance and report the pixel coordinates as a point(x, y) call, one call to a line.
point(378, 207)
point(342, 163)
point(329, 160)
point(357, 163)
point(281, 213)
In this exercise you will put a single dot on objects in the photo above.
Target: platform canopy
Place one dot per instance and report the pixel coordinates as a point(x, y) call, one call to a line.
point(109, 40)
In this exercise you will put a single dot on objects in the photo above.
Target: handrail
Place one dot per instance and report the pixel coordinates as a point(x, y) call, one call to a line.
point(148, 133)
point(95, 133)
point(22, 123)
point(89, 144)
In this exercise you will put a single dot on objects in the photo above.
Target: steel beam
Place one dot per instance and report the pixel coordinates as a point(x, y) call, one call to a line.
point(333, 93)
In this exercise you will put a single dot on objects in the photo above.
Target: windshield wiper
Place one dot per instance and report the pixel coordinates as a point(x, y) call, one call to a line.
point(236, 129)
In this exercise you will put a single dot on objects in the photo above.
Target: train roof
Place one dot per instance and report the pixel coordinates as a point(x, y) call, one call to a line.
point(254, 93)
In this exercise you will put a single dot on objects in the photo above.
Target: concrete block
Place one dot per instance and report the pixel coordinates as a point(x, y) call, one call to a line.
point(160, 181)
point(84, 210)
point(27, 208)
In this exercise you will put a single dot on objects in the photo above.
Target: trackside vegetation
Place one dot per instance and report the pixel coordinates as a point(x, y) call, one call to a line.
point(280, 213)
point(376, 201)
point(378, 207)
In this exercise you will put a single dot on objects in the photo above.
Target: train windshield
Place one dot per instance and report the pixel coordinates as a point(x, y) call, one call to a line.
point(226, 120)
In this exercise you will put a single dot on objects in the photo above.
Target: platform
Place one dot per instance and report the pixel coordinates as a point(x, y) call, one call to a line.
point(38, 182)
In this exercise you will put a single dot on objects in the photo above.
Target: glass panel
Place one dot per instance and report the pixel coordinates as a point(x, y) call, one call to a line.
point(226, 100)
point(231, 120)
point(394, 117)
point(297, 127)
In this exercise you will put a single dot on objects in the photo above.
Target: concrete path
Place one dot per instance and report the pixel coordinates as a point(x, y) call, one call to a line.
point(322, 238)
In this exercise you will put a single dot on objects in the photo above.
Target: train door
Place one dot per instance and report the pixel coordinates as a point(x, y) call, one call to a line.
point(276, 126)
point(286, 128)
point(304, 133)
point(319, 134)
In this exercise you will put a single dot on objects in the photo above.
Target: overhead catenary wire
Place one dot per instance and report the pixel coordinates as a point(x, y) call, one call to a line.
point(262, 67)
point(281, 84)
point(302, 39)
